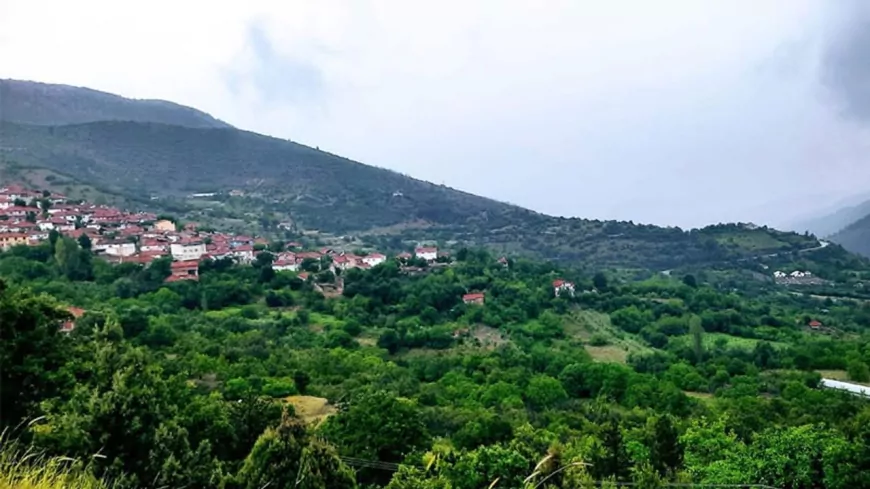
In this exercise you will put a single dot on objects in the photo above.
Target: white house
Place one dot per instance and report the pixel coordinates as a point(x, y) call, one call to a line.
point(286, 263)
point(563, 287)
point(119, 248)
point(779, 274)
point(187, 250)
point(244, 253)
point(428, 253)
point(374, 259)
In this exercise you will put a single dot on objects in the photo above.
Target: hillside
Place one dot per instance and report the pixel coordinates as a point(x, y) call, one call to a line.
point(321, 191)
point(30, 102)
point(855, 237)
point(75, 140)
point(831, 223)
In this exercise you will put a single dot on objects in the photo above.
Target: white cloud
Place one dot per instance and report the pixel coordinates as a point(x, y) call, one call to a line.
point(656, 111)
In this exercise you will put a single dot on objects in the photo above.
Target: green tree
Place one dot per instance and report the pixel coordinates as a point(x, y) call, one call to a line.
point(33, 353)
point(697, 332)
point(858, 371)
point(544, 392)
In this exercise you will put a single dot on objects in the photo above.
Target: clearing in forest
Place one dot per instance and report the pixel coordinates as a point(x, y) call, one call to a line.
point(591, 326)
point(311, 409)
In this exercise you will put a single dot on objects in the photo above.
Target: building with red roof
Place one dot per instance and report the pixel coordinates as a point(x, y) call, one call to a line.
point(474, 298)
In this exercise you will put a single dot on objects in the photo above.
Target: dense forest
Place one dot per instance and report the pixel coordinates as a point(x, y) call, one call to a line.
point(251, 378)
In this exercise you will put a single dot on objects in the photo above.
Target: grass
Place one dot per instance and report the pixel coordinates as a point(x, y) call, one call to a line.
point(585, 325)
point(710, 340)
point(752, 241)
point(27, 469)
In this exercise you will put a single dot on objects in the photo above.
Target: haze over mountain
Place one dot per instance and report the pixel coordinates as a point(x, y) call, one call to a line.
point(681, 113)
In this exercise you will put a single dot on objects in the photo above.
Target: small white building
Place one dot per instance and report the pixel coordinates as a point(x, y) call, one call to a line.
point(428, 253)
point(374, 259)
point(856, 389)
point(187, 250)
point(563, 287)
point(244, 253)
point(119, 248)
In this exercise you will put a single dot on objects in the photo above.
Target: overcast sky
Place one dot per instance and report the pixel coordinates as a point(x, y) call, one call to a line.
point(668, 112)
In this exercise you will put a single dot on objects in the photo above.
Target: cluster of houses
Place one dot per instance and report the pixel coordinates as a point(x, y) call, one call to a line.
point(27, 217)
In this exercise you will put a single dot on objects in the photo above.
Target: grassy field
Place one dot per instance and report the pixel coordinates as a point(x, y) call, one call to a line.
point(588, 325)
point(752, 241)
point(710, 340)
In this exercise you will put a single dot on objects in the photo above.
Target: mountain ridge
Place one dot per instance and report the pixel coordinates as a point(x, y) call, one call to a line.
point(31, 102)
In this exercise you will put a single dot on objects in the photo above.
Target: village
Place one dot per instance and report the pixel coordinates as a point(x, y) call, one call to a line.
point(28, 217)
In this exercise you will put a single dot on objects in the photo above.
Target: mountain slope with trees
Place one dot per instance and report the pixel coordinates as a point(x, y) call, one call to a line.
point(31, 102)
point(315, 190)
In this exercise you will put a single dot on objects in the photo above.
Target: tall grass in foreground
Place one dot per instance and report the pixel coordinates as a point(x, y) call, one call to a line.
point(23, 468)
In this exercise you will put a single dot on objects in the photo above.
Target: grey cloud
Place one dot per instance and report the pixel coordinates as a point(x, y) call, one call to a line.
point(277, 77)
point(846, 63)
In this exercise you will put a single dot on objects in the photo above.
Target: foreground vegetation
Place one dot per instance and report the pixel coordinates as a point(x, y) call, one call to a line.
point(251, 378)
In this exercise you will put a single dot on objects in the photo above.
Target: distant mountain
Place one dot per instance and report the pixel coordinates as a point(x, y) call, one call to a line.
point(832, 222)
point(28, 102)
point(314, 190)
point(856, 236)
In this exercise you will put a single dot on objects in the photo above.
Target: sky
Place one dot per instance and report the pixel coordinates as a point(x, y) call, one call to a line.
point(674, 112)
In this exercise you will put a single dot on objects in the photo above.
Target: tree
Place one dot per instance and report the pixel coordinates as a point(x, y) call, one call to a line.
point(666, 454)
point(599, 280)
point(73, 262)
point(697, 332)
point(286, 457)
point(544, 392)
point(32, 352)
point(85, 242)
point(690, 280)
point(858, 371)
point(301, 380)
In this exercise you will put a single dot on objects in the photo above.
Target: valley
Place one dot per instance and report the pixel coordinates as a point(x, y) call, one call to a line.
point(187, 304)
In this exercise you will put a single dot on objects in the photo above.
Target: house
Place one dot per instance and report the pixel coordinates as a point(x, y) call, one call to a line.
point(426, 253)
point(474, 298)
point(164, 225)
point(244, 253)
point(404, 256)
point(562, 286)
point(374, 259)
point(8, 240)
point(285, 262)
point(345, 261)
point(503, 262)
point(779, 274)
point(184, 270)
point(70, 324)
point(186, 250)
point(118, 248)
point(815, 324)
point(304, 276)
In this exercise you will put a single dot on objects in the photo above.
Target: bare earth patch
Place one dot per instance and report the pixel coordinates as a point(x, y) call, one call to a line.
point(311, 409)
point(488, 336)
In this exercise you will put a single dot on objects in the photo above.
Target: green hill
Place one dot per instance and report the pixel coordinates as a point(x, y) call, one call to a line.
point(855, 237)
point(30, 102)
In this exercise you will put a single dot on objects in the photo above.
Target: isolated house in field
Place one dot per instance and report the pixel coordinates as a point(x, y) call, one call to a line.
point(815, 324)
point(476, 298)
point(184, 270)
point(428, 253)
point(563, 287)
point(186, 250)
